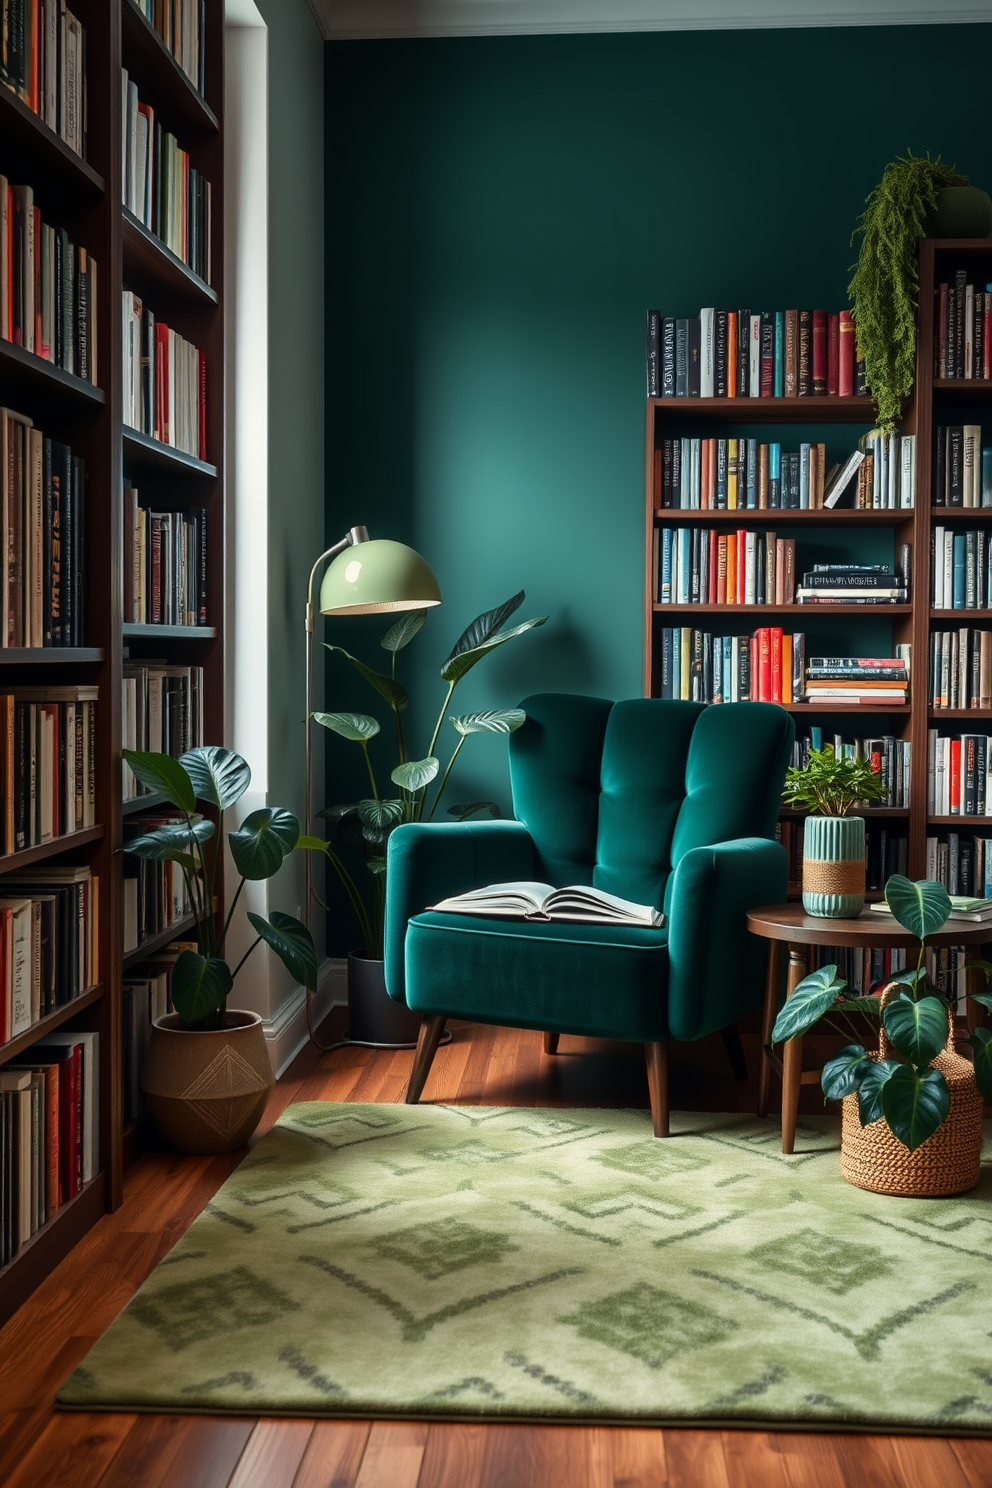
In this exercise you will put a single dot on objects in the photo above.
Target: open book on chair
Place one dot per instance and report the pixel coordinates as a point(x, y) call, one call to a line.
point(540, 901)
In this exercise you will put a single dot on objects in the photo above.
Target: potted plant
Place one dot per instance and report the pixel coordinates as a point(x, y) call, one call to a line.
point(207, 1075)
point(828, 786)
point(912, 1121)
point(916, 198)
point(420, 782)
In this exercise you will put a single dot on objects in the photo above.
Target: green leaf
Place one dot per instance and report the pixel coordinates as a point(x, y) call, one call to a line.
point(917, 1029)
point(387, 687)
point(494, 721)
point(870, 1089)
point(380, 813)
point(981, 1044)
point(814, 996)
point(913, 977)
point(984, 998)
point(292, 943)
point(842, 1074)
point(415, 774)
point(462, 812)
point(485, 626)
point(162, 773)
point(403, 632)
point(172, 843)
point(460, 662)
point(915, 1105)
point(311, 844)
point(199, 986)
point(219, 776)
point(262, 841)
point(921, 907)
point(376, 865)
point(345, 817)
point(357, 726)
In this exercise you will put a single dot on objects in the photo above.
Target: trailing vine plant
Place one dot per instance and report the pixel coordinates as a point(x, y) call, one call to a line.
point(885, 286)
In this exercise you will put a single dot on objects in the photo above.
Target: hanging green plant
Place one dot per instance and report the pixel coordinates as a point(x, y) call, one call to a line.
point(884, 289)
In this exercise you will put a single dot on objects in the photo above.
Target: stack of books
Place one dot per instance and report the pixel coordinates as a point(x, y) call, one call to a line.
point(47, 287)
point(964, 907)
point(165, 564)
point(165, 381)
point(852, 583)
point(180, 24)
point(160, 186)
point(48, 944)
point(857, 679)
point(740, 354)
point(961, 669)
point(962, 468)
point(161, 711)
point(43, 61)
point(47, 764)
point(961, 862)
point(963, 333)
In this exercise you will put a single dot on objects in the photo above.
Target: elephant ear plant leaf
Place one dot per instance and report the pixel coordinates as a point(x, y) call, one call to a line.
point(217, 778)
point(885, 287)
point(420, 780)
point(904, 1090)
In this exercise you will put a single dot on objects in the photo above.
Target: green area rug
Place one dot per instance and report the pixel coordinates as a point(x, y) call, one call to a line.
point(498, 1263)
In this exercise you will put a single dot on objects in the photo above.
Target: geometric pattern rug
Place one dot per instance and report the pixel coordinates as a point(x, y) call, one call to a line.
point(498, 1263)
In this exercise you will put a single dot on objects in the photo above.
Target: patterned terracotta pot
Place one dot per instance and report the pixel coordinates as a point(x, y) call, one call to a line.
point(206, 1090)
point(834, 866)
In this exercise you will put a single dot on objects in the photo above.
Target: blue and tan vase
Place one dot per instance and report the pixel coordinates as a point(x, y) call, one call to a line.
point(834, 866)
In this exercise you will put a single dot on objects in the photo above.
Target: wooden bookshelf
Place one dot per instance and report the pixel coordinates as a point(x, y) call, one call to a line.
point(932, 402)
point(84, 196)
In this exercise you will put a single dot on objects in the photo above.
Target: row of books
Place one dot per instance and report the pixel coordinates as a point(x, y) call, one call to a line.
point(165, 564)
point(960, 669)
point(170, 196)
point(962, 469)
point(161, 710)
point(737, 354)
point(890, 757)
point(698, 667)
point(49, 1132)
point(695, 474)
point(155, 894)
point(165, 381)
point(47, 287)
point(43, 61)
point(963, 330)
point(961, 862)
point(960, 571)
point(147, 995)
point(43, 537)
point(886, 851)
point(48, 943)
point(702, 565)
point(868, 970)
point(47, 763)
point(959, 768)
point(854, 583)
point(181, 24)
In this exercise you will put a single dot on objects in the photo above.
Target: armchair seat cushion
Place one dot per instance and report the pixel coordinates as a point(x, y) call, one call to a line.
point(603, 981)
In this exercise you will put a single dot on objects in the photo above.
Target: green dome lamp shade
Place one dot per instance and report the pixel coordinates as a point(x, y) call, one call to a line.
point(378, 577)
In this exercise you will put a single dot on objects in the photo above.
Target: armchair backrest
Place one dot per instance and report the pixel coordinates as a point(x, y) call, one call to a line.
point(613, 794)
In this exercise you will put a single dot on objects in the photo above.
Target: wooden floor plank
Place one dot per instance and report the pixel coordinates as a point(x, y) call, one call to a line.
point(696, 1459)
point(639, 1458)
point(393, 1455)
point(539, 1456)
point(273, 1455)
point(454, 1456)
point(928, 1462)
point(72, 1452)
point(810, 1460)
point(975, 1458)
point(333, 1455)
point(147, 1458)
point(748, 1458)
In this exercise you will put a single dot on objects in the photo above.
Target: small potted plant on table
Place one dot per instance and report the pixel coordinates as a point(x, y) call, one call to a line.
point(828, 786)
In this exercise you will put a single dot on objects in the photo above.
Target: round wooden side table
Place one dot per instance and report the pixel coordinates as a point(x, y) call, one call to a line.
point(789, 924)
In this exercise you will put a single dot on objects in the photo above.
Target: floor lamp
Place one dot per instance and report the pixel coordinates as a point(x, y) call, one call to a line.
point(363, 577)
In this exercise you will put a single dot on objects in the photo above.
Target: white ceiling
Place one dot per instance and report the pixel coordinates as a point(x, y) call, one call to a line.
point(355, 19)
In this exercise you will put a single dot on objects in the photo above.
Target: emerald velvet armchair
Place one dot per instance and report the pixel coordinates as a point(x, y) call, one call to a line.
point(672, 804)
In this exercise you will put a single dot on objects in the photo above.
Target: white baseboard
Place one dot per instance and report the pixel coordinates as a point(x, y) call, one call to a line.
point(286, 1033)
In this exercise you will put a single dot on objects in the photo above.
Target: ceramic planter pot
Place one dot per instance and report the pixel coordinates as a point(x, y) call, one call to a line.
point(960, 212)
point(834, 866)
point(206, 1090)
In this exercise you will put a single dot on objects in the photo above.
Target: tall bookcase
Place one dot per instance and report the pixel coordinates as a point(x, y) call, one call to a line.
point(845, 535)
point(85, 197)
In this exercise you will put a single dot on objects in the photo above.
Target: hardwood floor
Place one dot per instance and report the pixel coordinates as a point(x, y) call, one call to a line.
point(164, 1193)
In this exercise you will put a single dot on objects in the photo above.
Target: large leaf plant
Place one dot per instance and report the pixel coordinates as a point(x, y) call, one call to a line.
point(904, 1089)
point(218, 778)
point(420, 780)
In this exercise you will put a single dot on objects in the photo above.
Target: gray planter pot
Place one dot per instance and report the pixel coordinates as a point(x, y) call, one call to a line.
point(834, 866)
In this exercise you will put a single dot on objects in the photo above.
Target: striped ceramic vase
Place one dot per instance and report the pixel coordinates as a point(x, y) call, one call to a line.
point(834, 866)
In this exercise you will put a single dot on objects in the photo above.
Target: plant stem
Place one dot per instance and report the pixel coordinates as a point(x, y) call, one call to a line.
point(357, 902)
point(230, 915)
point(244, 958)
point(440, 717)
point(444, 777)
point(368, 765)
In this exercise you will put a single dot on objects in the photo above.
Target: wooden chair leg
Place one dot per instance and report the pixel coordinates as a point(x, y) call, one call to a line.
point(656, 1056)
point(551, 1042)
point(428, 1039)
point(734, 1050)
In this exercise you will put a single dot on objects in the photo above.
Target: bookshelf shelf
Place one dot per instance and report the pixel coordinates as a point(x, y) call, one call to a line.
point(845, 517)
point(947, 715)
point(820, 611)
point(144, 455)
point(871, 709)
point(963, 387)
point(960, 821)
point(143, 803)
point(21, 371)
point(38, 149)
point(148, 260)
point(25, 856)
point(20, 656)
point(159, 74)
point(884, 813)
point(765, 410)
point(942, 514)
point(169, 632)
point(962, 616)
point(176, 931)
point(51, 1021)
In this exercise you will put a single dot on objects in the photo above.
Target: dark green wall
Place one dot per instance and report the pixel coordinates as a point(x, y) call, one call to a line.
point(501, 212)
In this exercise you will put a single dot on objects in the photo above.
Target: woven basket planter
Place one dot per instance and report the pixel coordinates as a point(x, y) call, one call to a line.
point(949, 1162)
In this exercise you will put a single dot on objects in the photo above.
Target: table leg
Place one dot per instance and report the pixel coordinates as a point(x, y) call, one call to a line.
point(792, 1056)
point(768, 1012)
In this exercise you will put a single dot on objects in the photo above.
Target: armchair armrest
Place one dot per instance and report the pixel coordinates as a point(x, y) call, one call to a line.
point(428, 862)
point(715, 965)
